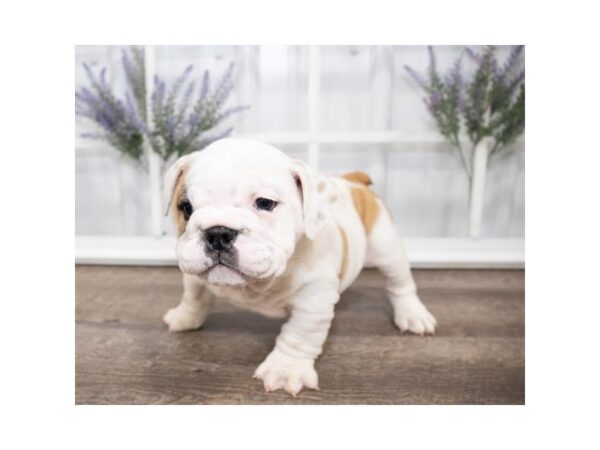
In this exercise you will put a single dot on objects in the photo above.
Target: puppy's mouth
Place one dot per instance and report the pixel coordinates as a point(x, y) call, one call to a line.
point(226, 259)
point(226, 266)
point(225, 270)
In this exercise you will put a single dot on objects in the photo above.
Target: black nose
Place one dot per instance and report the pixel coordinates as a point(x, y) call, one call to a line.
point(220, 238)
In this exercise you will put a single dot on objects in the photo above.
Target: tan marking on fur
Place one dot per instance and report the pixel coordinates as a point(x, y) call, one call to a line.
point(366, 205)
point(178, 192)
point(344, 264)
point(321, 186)
point(358, 177)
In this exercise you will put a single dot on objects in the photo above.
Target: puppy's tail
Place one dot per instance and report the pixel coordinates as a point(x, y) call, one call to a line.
point(358, 177)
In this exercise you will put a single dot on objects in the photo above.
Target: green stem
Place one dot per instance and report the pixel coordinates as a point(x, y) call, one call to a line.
point(463, 158)
point(495, 147)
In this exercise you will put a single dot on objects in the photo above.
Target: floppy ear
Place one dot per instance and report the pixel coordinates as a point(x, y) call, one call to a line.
point(172, 177)
point(319, 197)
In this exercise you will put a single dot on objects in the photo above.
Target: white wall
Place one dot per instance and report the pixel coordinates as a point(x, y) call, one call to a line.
point(362, 89)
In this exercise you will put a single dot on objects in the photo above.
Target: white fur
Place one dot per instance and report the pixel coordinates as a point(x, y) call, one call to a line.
point(288, 259)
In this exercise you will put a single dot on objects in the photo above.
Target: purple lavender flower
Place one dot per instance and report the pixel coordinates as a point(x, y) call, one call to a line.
point(187, 96)
point(205, 86)
point(171, 127)
point(106, 121)
point(519, 78)
point(158, 95)
point(103, 82)
point(159, 89)
point(180, 80)
point(116, 120)
point(133, 115)
point(490, 104)
point(454, 81)
point(89, 73)
point(433, 102)
point(224, 88)
point(512, 60)
point(194, 120)
point(475, 109)
point(474, 56)
point(127, 65)
point(420, 80)
point(494, 69)
point(173, 130)
point(432, 59)
point(85, 95)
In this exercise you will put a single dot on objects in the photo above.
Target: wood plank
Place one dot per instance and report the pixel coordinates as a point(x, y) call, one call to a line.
point(125, 355)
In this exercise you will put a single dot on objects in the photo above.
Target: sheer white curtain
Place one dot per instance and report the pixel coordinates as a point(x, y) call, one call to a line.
point(363, 88)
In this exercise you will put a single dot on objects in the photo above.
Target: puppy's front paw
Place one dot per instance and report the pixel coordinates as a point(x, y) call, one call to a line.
point(281, 372)
point(412, 315)
point(183, 319)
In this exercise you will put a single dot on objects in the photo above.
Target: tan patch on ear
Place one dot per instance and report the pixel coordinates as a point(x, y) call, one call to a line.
point(344, 264)
point(366, 205)
point(358, 177)
point(178, 193)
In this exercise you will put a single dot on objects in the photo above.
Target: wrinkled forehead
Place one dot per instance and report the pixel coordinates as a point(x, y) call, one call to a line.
point(237, 167)
point(226, 179)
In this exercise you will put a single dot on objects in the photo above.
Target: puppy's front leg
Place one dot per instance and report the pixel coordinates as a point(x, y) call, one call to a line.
point(195, 304)
point(291, 364)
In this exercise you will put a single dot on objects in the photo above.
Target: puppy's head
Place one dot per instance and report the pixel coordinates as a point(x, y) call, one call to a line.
point(240, 207)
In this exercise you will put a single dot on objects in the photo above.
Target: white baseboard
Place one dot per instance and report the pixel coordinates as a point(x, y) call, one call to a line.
point(423, 253)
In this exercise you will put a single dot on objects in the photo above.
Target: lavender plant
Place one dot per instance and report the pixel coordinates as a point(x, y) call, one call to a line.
point(180, 122)
point(121, 123)
point(489, 105)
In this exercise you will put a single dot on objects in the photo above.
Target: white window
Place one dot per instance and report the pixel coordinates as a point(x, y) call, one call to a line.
point(341, 108)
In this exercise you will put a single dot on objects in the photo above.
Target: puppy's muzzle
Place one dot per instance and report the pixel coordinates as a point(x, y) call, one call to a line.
point(220, 239)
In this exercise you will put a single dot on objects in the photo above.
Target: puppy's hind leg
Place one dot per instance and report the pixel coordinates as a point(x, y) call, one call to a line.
point(385, 252)
point(193, 309)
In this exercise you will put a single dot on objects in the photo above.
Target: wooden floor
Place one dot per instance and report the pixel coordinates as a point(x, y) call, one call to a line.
point(124, 354)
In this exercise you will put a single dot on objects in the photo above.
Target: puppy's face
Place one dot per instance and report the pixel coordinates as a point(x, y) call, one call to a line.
point(240, 207)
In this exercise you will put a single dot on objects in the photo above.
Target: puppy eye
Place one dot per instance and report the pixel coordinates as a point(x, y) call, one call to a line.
point(186, 208)
point(265, 204)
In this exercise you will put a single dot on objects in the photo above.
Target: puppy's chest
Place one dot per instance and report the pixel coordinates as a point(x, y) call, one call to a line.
point(270, 302)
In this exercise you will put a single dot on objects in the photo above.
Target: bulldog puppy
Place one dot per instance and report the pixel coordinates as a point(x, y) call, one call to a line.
point(270, 235)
